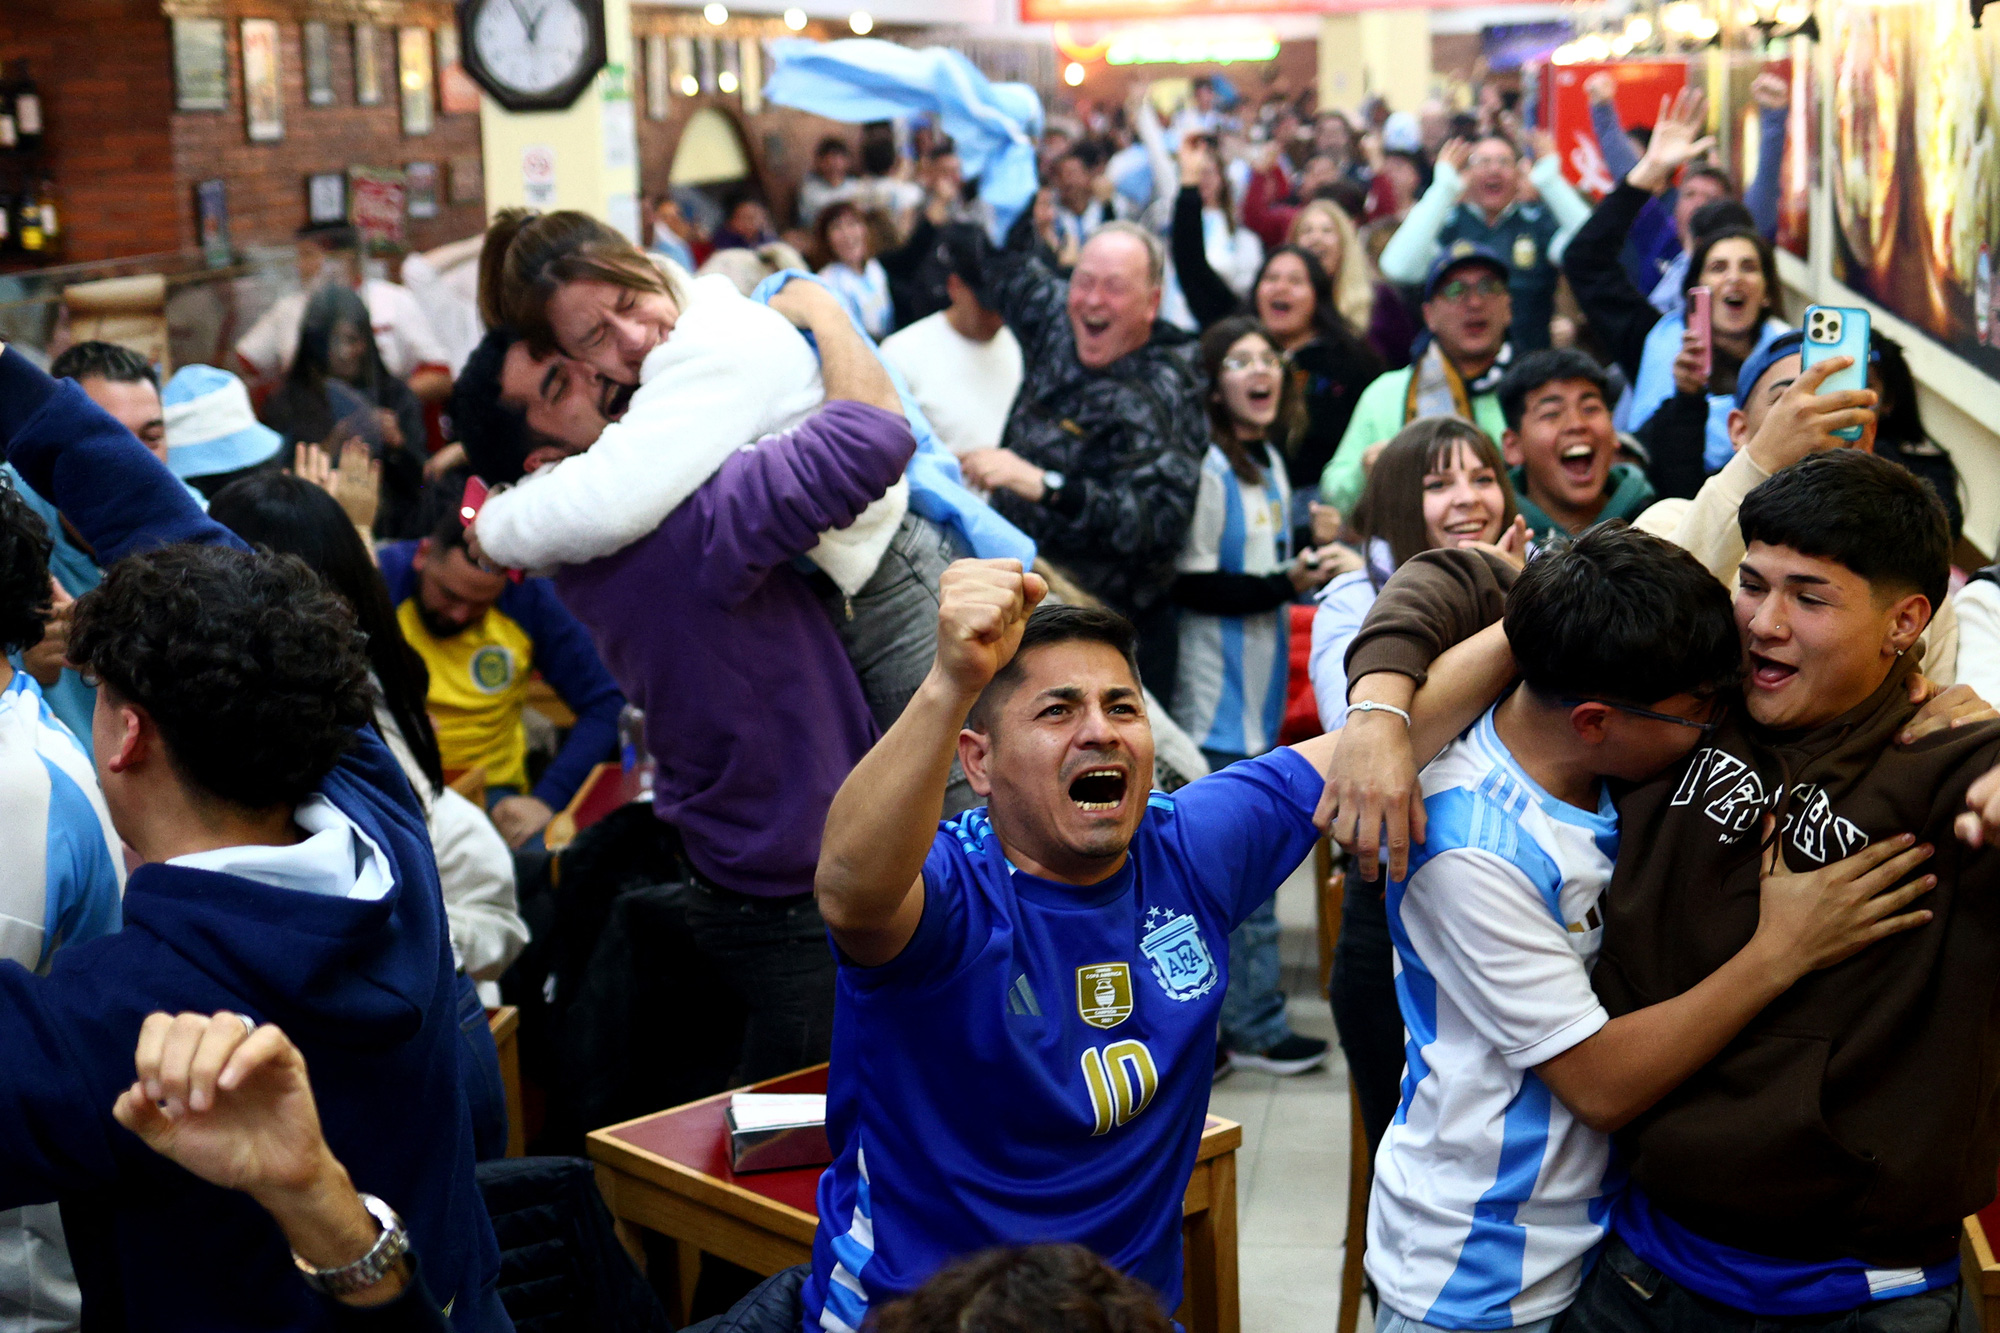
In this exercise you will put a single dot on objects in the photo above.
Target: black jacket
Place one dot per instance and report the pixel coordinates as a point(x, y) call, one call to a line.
point(1128, 439)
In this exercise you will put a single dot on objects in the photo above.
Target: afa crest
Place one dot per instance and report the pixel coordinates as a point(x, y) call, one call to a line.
point(493, 668)
point(1104, 994)
point(1181, 961)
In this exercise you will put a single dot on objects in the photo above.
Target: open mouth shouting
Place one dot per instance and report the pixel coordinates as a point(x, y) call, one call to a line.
point(1099, 789)
point(1768, 673)
point(1578, 462)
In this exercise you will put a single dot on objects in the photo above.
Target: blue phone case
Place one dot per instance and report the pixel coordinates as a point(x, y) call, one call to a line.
point(1835, 330)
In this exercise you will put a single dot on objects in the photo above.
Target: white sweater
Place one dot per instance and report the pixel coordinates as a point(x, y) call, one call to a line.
point(731, 372)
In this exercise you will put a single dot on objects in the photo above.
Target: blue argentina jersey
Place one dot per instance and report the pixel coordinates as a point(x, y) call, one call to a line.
point(1035, 1064)
point(1489, 1196)
point(63, 873)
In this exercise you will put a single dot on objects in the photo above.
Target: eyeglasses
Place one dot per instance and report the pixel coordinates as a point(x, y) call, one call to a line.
point(1458, 288)
point(1255, 361)
point(1705, 728)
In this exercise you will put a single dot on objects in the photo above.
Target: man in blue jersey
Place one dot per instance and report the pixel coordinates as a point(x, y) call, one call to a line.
point(1025, 1025)
point(1490, 1193)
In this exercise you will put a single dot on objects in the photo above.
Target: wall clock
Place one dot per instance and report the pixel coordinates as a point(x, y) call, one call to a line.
point(533, 55)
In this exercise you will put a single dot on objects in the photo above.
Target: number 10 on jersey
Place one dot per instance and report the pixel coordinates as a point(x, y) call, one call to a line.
point(1122, 1080)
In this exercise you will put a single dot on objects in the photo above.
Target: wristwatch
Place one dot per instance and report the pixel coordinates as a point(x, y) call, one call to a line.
point(387, 1251)
point(1052, 481)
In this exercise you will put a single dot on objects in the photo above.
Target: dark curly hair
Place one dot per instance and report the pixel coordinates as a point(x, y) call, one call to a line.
point(24, 570)
point(1027, 1289)
point(251, 667)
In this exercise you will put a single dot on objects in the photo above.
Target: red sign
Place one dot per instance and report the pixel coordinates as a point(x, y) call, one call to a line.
point(1060, 11)
point(1641, 85)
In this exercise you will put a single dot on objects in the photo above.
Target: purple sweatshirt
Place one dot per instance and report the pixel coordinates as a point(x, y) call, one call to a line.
point(753, 712)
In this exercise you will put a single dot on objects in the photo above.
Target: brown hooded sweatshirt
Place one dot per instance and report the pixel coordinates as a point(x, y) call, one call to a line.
point(1859, 1114)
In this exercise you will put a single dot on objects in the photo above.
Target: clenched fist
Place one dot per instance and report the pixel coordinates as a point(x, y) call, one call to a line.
point(983, 607)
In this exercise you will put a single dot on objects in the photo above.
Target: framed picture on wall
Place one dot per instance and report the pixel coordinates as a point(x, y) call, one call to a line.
point(317, 44)
point(680, 69)
point(211, 211)
point(752, 57)
point(705, 63)
point(367, 65)
point(263, 95)
point(657, 92)
point(201, 65)
point(326, 198)
point(467, 184)
point(414, 81)
point(457, 93)
point(420, 182)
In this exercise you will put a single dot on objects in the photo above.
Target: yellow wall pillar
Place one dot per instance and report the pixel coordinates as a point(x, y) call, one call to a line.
point(586, 157)
point(1343, 80)
point(1396, 50)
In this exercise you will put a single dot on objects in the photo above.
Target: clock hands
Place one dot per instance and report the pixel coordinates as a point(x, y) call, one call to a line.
point(527, 23)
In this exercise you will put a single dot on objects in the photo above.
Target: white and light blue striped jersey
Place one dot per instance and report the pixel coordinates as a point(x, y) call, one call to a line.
point(1489, 1195)
point(63, 873)
point(1231, 691)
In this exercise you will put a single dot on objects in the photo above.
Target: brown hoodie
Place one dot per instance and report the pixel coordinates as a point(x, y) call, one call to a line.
point(1859, 1114)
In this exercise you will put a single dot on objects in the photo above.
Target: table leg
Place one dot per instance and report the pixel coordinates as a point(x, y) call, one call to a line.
point(690, 1277)
point(1208, 1239)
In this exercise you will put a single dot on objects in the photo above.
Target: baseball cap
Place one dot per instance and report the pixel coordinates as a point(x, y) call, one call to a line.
point(211, 428)
point(1459, 255)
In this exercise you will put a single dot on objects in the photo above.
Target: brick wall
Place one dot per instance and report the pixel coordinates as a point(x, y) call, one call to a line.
point(125, 162)
point(267, 181)
point(105, 69)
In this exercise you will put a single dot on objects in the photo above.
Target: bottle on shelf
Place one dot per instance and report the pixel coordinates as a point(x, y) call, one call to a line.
point(45, 209)
point(28, 222)
point(27, 108)
point(8, 241)
point(9, 133)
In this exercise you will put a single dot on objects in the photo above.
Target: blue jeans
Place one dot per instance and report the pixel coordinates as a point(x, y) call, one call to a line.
point(479, 1075)
point(1253, 1008)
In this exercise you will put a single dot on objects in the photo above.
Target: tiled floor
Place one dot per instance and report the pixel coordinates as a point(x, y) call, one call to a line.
point(1291, 1173)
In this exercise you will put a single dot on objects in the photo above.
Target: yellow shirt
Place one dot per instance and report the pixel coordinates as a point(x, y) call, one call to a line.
point(479, 684)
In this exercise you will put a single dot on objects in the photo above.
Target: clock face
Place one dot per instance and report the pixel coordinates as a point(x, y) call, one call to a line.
point(532, 46)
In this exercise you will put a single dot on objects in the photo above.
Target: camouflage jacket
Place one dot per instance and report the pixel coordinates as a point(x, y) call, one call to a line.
point(1128, 439)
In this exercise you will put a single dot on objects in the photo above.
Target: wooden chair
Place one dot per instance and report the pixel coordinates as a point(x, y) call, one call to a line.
point(1980, 1269)
point(1330, 895)
point(1360, 1177)
point(505, 1024)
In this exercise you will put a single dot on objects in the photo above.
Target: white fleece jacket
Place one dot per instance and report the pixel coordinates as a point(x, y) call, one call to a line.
point(732, 372)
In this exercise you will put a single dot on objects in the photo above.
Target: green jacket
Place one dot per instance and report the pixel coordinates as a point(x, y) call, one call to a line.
point(1630, 494)
point(1378, 416)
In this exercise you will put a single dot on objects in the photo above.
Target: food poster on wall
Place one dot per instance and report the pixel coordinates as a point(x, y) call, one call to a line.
point(1916, 166)
point(375, 203)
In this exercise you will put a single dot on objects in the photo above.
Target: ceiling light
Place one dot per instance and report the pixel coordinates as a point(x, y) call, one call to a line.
point(716, 14)
point(1072, 74)
point(795, 19)
point(861, 24)
point(690, 85)
point(726, 81)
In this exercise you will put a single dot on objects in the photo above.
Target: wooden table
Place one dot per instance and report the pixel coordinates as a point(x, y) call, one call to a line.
point(669, 1173)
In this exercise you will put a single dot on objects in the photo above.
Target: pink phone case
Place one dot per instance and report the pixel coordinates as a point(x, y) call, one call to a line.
point(1698, 323)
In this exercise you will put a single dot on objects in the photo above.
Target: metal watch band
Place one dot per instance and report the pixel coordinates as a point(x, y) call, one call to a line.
point(387, 1251)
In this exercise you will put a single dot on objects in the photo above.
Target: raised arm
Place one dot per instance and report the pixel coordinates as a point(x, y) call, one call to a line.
point(1410, 251)
point(74, 454)
point(869, 884)
point(1570, 208)
point(1761, 198)
point(1208, 296)
point(1613, 143)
